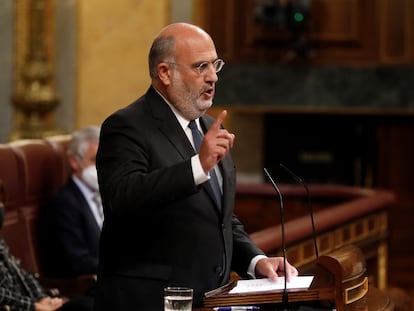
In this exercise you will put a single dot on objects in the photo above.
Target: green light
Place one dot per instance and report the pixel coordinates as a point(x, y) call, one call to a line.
point(298, 17)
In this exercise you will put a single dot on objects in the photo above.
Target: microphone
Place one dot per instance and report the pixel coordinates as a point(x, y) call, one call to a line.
point(300, 181)
point(282, 223)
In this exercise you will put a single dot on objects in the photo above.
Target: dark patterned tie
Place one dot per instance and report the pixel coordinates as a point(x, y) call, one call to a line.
point(198, 138)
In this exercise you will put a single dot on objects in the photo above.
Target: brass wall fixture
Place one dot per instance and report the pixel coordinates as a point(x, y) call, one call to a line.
point(36, 100)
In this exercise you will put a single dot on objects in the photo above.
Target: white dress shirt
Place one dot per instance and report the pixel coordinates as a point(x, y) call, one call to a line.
point(90, 198)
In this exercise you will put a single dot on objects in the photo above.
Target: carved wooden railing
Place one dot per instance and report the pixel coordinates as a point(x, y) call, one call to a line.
point(342, 215)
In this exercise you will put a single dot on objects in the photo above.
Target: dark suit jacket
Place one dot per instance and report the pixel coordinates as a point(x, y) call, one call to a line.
point(69, 234)
point(160, 229)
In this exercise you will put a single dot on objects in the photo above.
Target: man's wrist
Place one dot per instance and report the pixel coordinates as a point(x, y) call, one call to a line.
point(198, 172)
point(251, 271)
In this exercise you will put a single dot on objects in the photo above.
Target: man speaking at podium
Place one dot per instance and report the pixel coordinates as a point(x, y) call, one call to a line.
point(168, 192)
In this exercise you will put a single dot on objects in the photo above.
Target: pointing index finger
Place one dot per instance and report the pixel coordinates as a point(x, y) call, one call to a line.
point(219, 120)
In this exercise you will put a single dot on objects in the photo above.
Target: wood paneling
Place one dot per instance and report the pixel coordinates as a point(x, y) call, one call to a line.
point(340, 32)
point(395, 170)
point(342, 215)
point(387, 153)
point(396, 31)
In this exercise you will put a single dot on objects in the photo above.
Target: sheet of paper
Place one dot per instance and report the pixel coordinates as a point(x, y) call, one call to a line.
point(264, 285)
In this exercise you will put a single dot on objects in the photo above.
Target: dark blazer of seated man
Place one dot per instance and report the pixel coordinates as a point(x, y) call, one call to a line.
point(72, 220)
point(20, 290)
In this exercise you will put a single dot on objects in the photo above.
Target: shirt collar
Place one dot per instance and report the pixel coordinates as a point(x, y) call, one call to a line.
point(183, 121)
point(86, 191)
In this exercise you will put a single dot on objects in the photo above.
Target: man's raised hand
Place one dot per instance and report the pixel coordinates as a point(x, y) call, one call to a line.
point(216, 144)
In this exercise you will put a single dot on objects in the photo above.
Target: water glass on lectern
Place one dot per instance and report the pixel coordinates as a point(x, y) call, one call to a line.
point(178, 299)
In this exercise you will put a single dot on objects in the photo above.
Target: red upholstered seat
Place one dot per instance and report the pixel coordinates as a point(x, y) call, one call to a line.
point(31, 172)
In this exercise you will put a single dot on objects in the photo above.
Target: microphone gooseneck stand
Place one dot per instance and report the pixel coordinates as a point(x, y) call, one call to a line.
point(300, 181)
point(282, 223)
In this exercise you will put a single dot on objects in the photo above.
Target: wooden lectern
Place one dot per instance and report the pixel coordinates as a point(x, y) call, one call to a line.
point(340, 281)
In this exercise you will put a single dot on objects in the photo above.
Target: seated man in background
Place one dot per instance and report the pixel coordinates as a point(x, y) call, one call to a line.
point(20, 290)
point(72, 220)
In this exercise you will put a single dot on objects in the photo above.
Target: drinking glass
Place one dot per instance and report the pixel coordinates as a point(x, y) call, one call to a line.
point(178, 299)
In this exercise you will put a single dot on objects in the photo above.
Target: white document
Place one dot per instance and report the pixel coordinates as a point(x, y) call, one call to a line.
point(264, 285)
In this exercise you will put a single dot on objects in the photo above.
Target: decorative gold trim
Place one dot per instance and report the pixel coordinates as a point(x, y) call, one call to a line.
point(356, 292)
point(34, 97)
point(21, 40)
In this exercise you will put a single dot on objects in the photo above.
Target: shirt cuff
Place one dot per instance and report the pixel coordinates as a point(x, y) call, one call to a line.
point(252, 266)
point(198, 172)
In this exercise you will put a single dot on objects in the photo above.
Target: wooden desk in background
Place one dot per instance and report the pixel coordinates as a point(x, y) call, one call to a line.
point(340, 281)
point(343, 215)
point(375, 300)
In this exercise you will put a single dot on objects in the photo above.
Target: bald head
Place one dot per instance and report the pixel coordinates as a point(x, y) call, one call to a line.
point(182, 63)
point(183, 29)
point(172, 40)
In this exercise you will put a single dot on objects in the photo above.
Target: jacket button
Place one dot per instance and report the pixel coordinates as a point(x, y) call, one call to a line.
point(219, 270)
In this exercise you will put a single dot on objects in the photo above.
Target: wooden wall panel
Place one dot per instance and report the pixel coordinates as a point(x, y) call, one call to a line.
point(395, 170)
point(341, 32)
point(217, 17)
point(344, 31)
point(396, 29)
point(335, 22)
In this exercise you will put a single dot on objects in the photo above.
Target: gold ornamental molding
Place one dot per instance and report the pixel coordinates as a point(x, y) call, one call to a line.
point(34, 98)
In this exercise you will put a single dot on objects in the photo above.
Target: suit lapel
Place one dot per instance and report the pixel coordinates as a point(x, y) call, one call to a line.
point(169, 125)
point(84, 206)
point(172, 130)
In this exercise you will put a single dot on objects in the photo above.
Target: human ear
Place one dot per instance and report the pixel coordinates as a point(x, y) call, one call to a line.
point(164, 73)
point(74, 163)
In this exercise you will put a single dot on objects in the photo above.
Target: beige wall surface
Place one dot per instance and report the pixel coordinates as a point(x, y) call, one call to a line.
point(113, 42)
